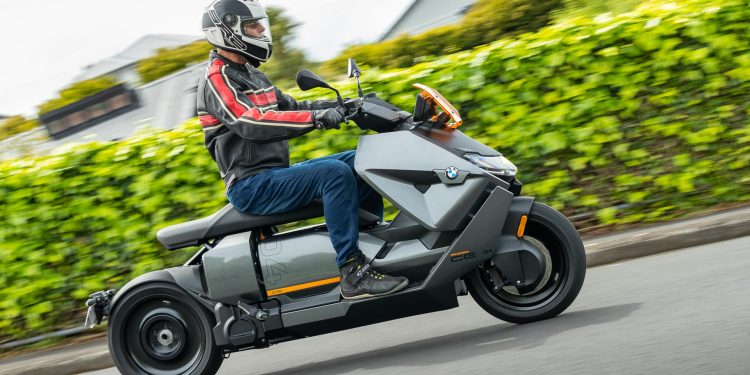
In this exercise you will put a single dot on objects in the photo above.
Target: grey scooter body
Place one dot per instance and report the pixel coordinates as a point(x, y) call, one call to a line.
point(467, 214)
point(263, 287)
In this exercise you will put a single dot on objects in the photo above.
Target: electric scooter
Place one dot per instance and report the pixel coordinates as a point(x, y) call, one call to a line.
point(462, 227)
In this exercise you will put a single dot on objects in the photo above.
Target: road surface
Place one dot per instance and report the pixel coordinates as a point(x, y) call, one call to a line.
point(683, 312)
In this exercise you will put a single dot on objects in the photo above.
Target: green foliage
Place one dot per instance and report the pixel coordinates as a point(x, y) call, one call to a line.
point(84, 220)
point(637, 118)
point(283, 65)
point(76, 92)
point(589, 8)
point(16, 124)
point(486, 21)
point(169, 60)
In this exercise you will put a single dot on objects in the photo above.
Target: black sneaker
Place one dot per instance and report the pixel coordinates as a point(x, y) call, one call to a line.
point(359, 280)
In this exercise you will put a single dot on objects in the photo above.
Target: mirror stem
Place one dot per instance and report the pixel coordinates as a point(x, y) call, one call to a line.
point(359, 87)
point(338, 96)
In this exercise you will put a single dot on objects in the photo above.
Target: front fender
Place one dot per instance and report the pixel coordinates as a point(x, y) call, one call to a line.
point(518, 207)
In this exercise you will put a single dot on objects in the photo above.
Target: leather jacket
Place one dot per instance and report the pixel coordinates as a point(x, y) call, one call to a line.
point(247, 121)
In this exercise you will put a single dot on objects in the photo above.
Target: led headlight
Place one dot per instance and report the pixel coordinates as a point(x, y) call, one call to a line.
point(497, 165)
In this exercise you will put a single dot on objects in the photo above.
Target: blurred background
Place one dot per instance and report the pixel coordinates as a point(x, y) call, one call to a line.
point(618, 113)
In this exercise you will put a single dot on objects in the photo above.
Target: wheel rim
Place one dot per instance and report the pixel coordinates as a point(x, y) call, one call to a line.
point(553, 280)
point(162, 335)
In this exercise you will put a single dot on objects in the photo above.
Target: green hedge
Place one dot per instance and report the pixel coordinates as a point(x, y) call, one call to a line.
point(485, 22)
point(15, 125)
point(169, 60)
point(648, 109)
point(76, 92)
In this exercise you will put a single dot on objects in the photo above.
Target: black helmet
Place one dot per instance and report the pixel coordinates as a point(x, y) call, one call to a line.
point(225, 23)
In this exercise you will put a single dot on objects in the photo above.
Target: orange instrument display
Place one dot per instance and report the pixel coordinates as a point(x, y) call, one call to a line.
point(430, 94)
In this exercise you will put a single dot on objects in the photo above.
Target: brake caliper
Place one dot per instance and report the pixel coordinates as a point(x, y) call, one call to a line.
point(98, 304)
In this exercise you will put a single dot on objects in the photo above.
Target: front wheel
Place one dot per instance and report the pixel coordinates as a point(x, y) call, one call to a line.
point(157, 328)
point(558, 241)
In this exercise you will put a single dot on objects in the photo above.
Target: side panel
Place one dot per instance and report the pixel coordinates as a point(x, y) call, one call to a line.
point(228, 268)
point(297, 259)
point(477, 242)
point(396, 164)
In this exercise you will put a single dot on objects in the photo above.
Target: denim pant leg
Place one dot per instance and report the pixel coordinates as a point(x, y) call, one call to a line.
point(285, 189)
point(369, 199)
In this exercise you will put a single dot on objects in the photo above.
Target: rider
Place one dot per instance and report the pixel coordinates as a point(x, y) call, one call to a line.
point(247, 121)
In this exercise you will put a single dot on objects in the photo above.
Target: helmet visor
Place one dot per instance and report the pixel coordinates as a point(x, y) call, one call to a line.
point(256, 28)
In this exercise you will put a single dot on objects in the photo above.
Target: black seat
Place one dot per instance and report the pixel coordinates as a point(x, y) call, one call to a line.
point(230, 221)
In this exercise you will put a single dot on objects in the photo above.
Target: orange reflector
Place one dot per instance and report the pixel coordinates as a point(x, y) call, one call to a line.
point(522, 226)
point(294, 288)
point(460, 253)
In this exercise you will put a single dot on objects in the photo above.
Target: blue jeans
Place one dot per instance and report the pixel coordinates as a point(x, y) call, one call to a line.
point(331, 178)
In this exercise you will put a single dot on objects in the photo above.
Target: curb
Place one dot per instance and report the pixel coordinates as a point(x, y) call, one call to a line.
point(98, 360)
point(600, 250)
point(657, 239)
point(87, 357)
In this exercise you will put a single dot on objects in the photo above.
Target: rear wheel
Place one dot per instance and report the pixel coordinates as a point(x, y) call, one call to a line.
point(158, 329)
point(565, 268)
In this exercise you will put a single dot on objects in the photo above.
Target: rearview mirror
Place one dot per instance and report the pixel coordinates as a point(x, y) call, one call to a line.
point(307, 80)
point(354, 70)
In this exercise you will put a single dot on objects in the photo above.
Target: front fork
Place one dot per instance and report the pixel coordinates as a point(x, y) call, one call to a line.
point(516, 262)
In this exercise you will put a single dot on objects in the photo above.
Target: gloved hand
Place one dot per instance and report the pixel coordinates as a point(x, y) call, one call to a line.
point(329, 118)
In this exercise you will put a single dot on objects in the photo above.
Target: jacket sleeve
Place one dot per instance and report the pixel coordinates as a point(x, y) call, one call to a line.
point(249, 115)
point(288, 103)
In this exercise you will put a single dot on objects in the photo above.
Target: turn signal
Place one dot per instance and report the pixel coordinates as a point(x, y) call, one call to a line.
point(522, 226)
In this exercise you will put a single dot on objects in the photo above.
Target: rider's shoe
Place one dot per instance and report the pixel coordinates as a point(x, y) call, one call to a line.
point(359, 280)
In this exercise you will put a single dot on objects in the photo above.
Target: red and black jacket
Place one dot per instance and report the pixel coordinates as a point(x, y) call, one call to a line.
point(247, 121)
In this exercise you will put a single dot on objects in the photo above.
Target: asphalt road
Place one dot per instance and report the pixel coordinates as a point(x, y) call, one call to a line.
point(683, 312)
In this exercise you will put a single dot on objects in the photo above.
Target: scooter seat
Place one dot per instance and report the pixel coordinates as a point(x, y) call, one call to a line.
point(229, 220)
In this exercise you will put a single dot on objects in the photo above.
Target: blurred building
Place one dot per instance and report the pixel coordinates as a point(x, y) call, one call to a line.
point(112, 102)
point(124, 65)
point(423, 15)
point(118, 112)
point(113, 114)
point(161, 104)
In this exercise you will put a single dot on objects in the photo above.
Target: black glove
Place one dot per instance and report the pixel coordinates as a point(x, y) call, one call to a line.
point(329, 118)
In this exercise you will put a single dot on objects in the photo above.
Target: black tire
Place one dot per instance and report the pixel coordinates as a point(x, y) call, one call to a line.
point(158, 329)
point(568, 269)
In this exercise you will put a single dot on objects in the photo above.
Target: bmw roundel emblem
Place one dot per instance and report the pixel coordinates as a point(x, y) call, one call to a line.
point(451, 173)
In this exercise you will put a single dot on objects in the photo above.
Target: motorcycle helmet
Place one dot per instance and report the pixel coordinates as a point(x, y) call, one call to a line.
point(239, 26)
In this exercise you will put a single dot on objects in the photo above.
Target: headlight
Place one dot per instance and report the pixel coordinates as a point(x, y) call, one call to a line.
point(497, 165)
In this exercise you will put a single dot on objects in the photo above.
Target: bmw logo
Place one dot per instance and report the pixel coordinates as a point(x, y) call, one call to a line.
point(451, 173)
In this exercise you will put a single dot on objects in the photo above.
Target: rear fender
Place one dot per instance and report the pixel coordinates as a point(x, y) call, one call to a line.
point(186, 277)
